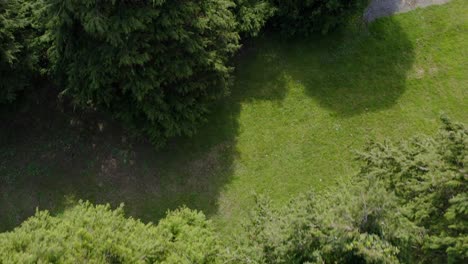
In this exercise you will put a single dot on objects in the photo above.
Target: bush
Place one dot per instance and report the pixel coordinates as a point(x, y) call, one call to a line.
point(19, 52)
point(409, 204)
point(428, 175)
point(356, 223)
point(252, 15)
point(307, 16)
point(156, 65)
point(96, 234)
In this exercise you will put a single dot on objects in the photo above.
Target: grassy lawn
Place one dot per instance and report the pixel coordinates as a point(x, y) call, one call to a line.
point(297, 112)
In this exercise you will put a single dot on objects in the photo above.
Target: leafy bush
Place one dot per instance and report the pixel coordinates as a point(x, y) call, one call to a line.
point(252, 15)
point(429, 177)
point(156, 65)
point(19, 52)
point(306, 16)
point(409, 204)
point(357, 223)
point(96, 234)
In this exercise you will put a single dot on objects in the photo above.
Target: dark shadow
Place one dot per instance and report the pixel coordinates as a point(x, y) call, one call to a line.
point(52, 157)
point(361, 68)
point(260, 72)
point(362, 71)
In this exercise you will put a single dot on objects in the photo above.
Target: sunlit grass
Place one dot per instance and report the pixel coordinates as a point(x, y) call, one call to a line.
point(312, 102)
point(297, 112)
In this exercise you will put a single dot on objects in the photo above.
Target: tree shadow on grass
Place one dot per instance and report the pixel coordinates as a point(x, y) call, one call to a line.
point(47, 163)
point(50, 157)
point(260, 72)
point(357, 71)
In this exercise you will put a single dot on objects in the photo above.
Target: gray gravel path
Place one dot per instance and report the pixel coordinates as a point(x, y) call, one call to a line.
point(381, 8)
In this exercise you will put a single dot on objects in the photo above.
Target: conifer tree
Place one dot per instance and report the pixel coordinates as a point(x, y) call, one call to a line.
point(252, 15)
point(407, 205)
point(429, 178)
point(20, 52)
point(156, 65)
point(304, 17)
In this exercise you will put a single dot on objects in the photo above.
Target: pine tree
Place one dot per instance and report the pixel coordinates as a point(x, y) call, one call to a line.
point(19, 55)
point(304, 17)
point(429, 177)
point(408, 204)
point(252, 15)
point(156, 65)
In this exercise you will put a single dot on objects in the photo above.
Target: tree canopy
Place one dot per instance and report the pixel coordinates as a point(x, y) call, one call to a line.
point(20, 52)
point(156, 66)
point(408, 204)
point(97, 234)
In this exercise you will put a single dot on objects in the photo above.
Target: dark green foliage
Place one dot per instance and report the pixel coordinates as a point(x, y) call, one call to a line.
point(409, 204)
point(252, 15)
point(307, 16)
point(429, 178)
point(11, 79)
point(96, 234)
point(156, 65)
point(19, 51)
point(357, 223)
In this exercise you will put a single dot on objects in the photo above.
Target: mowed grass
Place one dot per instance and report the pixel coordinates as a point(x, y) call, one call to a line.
point(299, 110)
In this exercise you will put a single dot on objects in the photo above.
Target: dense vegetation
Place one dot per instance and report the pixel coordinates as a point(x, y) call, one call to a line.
point(252, 15)
point(155, 65)
point(304, 17)
point(20, 49)
point(96, 234)
point(158, 66)
point(408, 204)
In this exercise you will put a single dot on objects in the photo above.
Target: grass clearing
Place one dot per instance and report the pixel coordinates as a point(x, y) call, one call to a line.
point(297, 112)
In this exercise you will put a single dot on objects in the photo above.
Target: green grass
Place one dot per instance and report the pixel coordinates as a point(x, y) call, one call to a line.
point(298, 111)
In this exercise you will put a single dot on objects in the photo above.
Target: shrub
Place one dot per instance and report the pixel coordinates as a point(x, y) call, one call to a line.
point(156, 65)
point(19, 52)
point(306, 16)
point(409, 204)
point(252, 15)
point(428, 175)
point(97, 234)
point(356, 223)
